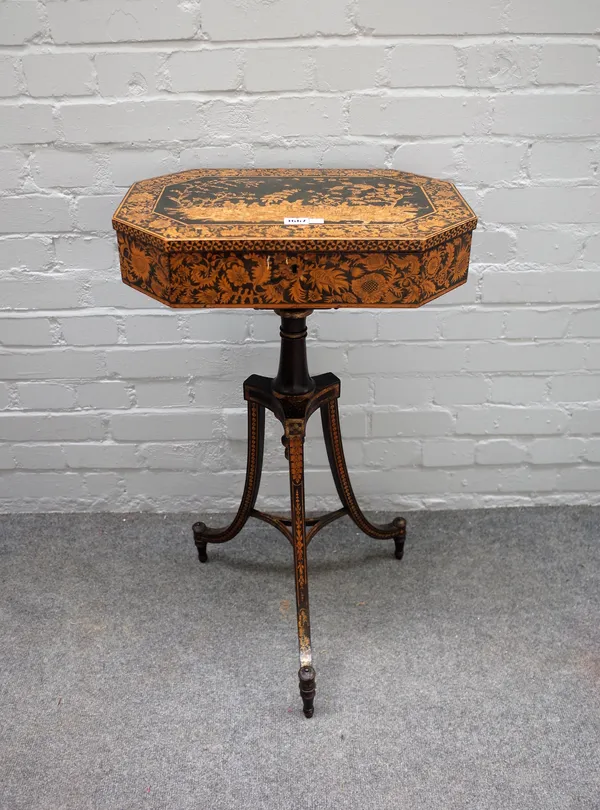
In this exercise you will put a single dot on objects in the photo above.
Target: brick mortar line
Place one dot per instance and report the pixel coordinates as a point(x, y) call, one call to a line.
point(383, 92)
point(323, 41)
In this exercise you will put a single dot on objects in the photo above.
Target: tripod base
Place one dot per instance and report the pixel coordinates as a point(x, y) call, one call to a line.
point(293, 396)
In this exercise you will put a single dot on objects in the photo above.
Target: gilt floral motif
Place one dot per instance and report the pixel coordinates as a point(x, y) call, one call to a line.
point(206, 198)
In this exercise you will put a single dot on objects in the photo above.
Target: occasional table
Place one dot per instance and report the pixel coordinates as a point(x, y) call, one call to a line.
point(294, 241)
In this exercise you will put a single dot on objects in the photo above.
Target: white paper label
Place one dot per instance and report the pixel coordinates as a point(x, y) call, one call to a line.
point(302, 221)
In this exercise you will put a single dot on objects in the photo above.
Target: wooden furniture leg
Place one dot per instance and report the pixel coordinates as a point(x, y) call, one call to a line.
point(294, 436)
point(396, 530)
point(256, 442)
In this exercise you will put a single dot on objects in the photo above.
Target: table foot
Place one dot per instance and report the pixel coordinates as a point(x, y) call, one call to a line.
point(399, 551)
point(307, 676)
point(199, 530)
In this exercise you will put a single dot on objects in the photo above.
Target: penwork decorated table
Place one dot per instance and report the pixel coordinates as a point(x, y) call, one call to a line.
point(294, 241)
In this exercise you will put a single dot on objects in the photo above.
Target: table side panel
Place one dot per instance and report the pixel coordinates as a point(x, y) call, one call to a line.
point(315, 279)
point(144, 267)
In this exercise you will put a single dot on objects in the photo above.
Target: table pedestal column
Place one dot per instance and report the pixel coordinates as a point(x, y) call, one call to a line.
point(293, 396)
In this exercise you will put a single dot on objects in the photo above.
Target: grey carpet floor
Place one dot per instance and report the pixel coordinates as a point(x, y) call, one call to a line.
point(465, 676)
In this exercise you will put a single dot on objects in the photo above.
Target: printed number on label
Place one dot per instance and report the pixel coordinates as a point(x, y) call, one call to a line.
point(302, 221)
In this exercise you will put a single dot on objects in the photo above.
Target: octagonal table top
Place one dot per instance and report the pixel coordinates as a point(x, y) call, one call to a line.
point(211, 207)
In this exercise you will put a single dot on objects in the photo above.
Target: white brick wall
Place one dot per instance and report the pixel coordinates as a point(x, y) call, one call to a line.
point(488, 396)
